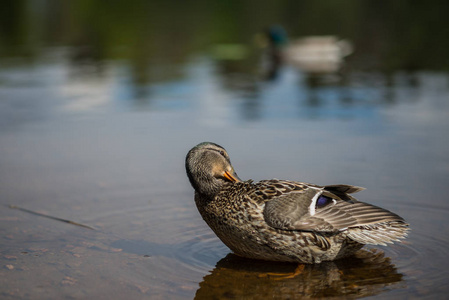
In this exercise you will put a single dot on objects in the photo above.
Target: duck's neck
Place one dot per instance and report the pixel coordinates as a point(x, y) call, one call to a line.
point(206, 186)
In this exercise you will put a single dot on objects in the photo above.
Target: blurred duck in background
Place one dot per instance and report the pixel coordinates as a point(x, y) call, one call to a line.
point(314, 55)
point(318, 54)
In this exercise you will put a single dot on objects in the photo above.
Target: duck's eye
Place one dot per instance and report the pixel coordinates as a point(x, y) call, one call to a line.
point(322, 201)
point(222, 153)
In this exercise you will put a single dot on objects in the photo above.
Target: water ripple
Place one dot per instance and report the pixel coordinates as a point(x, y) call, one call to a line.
point(422, 257)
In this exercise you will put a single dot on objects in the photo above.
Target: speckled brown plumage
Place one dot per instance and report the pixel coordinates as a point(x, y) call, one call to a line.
point(283, 220)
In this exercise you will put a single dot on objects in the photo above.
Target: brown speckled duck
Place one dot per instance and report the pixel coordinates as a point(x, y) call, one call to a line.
point(282, 220)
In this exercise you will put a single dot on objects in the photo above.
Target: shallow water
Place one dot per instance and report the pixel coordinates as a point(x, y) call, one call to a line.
point(95, 145)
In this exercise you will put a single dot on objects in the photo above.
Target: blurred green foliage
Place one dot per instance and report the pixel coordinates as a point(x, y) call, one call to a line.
point(387, 35)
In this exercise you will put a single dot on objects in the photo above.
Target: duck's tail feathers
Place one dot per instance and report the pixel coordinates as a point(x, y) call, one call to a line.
point(342, 191)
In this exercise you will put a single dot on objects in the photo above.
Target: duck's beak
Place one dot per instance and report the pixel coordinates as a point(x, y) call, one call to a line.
point(231, 176)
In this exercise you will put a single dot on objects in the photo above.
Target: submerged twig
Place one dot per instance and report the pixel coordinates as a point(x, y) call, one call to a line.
point(50, 217)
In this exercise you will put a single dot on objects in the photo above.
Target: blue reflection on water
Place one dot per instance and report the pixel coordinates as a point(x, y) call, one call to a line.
point(248, 98)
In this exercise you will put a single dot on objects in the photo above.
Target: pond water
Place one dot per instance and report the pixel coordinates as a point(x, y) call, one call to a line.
point(102, 143)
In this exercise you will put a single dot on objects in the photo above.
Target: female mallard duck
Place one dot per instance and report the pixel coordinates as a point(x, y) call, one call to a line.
point(281, 220)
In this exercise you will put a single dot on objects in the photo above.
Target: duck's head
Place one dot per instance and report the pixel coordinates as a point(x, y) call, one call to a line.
point(208, 167)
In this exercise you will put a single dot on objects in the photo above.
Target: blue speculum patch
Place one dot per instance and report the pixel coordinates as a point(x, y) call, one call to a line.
point(323, 201)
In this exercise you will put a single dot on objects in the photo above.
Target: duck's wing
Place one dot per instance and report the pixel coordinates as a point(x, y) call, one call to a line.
point(331, 209)
point(285, 210)
point(291, 204)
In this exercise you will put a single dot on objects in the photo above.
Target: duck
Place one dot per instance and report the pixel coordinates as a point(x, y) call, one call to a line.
point(284, 220)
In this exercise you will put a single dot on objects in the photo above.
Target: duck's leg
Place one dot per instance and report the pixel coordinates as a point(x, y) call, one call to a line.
point(281, 276)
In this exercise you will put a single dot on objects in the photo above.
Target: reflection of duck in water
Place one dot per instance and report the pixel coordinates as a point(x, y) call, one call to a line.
point(367, 273)
point(282, 220)
point(276, 39)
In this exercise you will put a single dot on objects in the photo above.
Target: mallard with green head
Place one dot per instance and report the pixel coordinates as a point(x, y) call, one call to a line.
point(282, 220)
